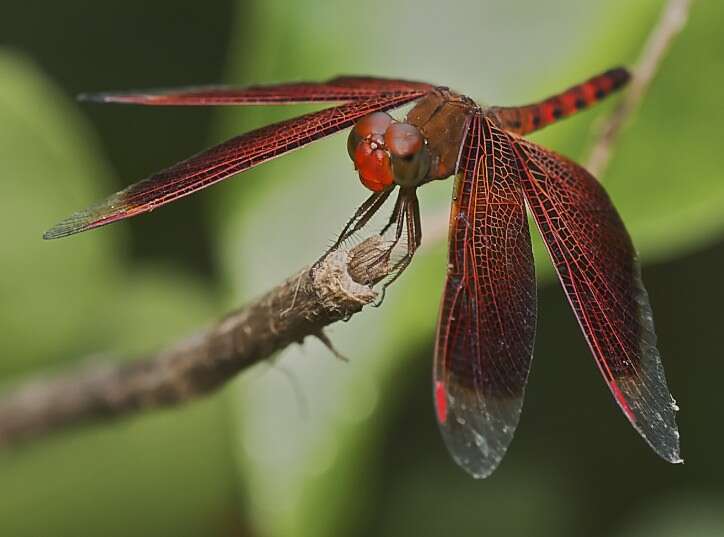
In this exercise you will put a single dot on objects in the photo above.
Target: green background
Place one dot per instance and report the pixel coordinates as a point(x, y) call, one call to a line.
point(306, 445)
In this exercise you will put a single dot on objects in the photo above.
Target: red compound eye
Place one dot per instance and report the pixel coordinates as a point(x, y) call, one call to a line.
point(373, 165)
point(371, 125)
point(375, 123)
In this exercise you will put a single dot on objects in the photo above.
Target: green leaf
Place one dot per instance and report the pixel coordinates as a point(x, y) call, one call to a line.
point(48, 166)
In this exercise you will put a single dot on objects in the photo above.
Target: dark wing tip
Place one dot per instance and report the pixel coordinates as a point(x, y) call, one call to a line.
point(656, 423)
point(663, 439)
point(123, 98)
point(92, 97)
point(478, 431)
point(70, 226)
point(96, 216)
point(652, 409)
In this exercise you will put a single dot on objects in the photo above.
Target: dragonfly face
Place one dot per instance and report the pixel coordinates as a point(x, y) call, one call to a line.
point(423, 148)
point(387, 152)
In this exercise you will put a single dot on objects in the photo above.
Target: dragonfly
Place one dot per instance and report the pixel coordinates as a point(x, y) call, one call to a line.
point(487, 319)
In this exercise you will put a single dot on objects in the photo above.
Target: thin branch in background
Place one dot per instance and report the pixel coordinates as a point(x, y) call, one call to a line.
point(335, 289)
point(672, 21)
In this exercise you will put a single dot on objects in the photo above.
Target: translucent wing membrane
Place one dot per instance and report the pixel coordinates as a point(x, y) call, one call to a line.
point(342, 89)
point(222, 161)
point(597, 266)
point(488, 312)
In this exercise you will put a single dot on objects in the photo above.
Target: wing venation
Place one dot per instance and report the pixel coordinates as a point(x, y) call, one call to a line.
point(598, 268)
point(220, 162)
point(488, 313)
point(341, 90)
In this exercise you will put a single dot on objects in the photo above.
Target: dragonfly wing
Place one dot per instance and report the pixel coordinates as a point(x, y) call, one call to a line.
point(488, 313)
point(342, 89)
point(597, 266)
point(220, 162)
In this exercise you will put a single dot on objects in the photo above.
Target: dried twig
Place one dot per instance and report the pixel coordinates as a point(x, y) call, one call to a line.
point(336, 288)
point(672, 21)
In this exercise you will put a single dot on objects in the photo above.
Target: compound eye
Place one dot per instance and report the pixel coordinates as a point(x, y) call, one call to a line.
point(375, 123)
point(371, 125)
point(409, 155)
point(404, 140)
point(373, 165)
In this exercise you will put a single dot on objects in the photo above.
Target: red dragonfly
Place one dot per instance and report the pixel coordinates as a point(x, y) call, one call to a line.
point(488, 314)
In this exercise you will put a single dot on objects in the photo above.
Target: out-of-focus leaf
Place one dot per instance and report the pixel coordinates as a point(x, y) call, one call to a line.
point(684, 513)
point(532, 501)
point(48, 164)
point(159, 474)
point(666, 177)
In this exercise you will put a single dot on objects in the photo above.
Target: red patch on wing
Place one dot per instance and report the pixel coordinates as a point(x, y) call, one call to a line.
point(441, 402)
point(621, 400)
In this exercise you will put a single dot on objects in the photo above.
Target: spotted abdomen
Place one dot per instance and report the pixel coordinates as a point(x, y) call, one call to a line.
point(525, 119)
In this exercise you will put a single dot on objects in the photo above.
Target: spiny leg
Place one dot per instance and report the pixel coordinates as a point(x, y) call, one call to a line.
point(407, 217)
point(416, 220)
point(395, 214)
point(414, 236)
point(363, 215)
point(360, 218)
point(398, 219)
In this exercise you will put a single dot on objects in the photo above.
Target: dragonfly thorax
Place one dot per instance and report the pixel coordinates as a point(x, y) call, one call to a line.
point(386, 152)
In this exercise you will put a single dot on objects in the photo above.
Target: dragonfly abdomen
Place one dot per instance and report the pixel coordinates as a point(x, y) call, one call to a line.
point(525, 119)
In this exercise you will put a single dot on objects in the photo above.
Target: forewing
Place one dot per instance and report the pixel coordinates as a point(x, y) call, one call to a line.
point(220, 162)
point(342, 89)
point(597, 265)
point(488, 312)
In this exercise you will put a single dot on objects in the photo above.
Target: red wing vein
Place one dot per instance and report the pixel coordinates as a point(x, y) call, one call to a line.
point(342, 89)
point(487, 319)
point(585, 251)
point(589, 328)
point(597, 266)
point(590, 284)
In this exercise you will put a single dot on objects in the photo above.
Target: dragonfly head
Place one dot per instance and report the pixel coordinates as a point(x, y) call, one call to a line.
point(388, 153)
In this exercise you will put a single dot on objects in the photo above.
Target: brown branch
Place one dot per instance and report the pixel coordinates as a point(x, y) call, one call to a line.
point(335, 289)
point(672, 21)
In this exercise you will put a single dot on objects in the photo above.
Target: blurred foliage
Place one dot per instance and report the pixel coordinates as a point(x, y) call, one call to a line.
point(134, 44)
point(65, 301)
point(306, 445)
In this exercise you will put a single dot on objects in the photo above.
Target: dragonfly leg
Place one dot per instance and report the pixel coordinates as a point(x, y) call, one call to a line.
point(395, 213)
point(360, 218)
point(414, 236)
point(407, 218)
point(398, 219)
